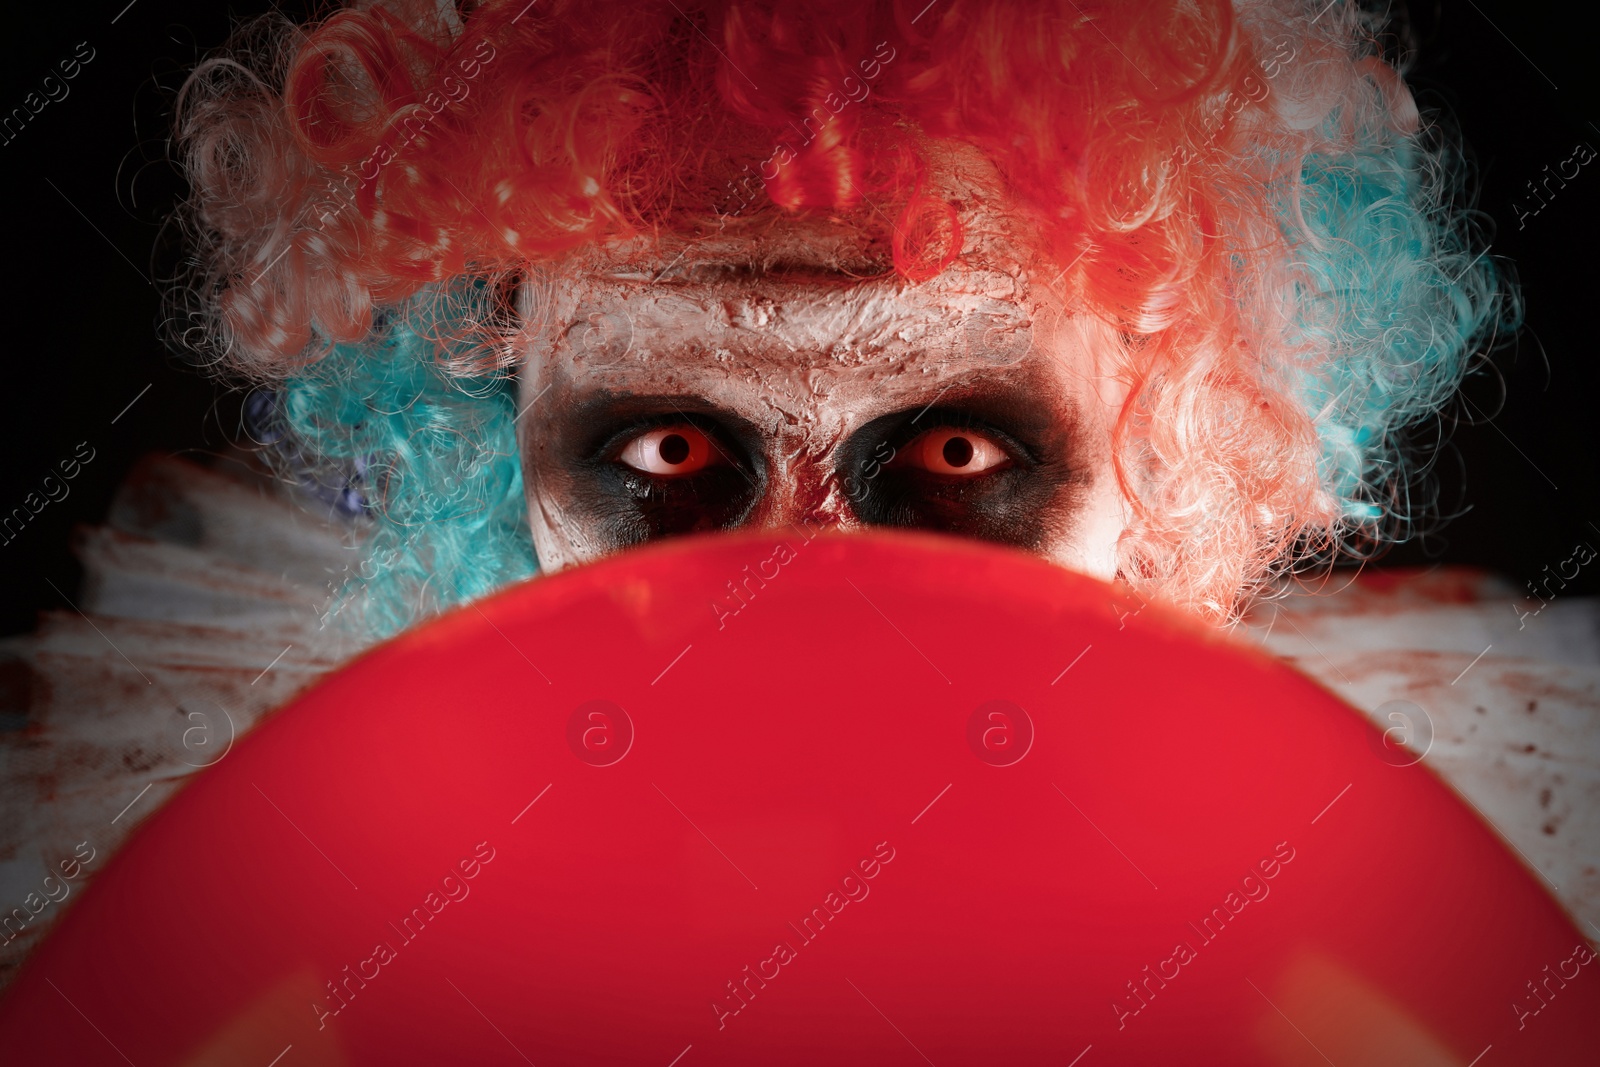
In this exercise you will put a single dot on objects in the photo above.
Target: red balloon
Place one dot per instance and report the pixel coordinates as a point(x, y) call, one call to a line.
point(759, 799)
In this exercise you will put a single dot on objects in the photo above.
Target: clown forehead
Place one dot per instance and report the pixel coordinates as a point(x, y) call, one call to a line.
point(807, 312)
point(794, 303)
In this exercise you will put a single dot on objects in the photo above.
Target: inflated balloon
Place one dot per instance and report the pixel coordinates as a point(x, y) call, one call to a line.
point(779, 800)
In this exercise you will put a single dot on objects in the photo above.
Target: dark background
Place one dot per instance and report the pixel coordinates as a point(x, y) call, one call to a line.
point(86, 188)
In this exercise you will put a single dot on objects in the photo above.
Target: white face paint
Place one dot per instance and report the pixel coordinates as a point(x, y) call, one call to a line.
point(779, 373)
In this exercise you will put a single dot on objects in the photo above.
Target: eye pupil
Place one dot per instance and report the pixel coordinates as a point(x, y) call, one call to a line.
point(958, 451)
point(675, 449)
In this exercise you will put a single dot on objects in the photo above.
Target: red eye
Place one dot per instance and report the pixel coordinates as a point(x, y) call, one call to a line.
point(956, 452)
point(670, 450)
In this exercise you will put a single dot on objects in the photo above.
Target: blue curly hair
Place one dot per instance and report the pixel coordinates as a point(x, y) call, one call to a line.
point(430, 455)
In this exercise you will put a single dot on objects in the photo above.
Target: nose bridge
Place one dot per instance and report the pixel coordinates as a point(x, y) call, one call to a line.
point(802, 492)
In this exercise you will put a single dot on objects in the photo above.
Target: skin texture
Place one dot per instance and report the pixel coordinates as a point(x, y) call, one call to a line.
point(807, 383)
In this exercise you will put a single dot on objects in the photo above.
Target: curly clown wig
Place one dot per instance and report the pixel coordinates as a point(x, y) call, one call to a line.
point(1246, 192)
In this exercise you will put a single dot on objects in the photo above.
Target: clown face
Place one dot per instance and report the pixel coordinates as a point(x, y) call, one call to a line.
point(780, 373)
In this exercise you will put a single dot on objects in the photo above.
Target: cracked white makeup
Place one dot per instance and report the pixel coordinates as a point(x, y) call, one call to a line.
point(781, 372)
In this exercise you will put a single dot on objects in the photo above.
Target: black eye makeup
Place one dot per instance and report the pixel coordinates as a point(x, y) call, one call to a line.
point(995, 469)
point(639, 473)
point(996, 459)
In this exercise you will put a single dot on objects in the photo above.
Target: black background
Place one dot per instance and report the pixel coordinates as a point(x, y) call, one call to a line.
point(86, 189)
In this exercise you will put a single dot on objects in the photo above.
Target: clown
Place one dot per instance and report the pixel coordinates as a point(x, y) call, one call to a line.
point(1151, 290)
